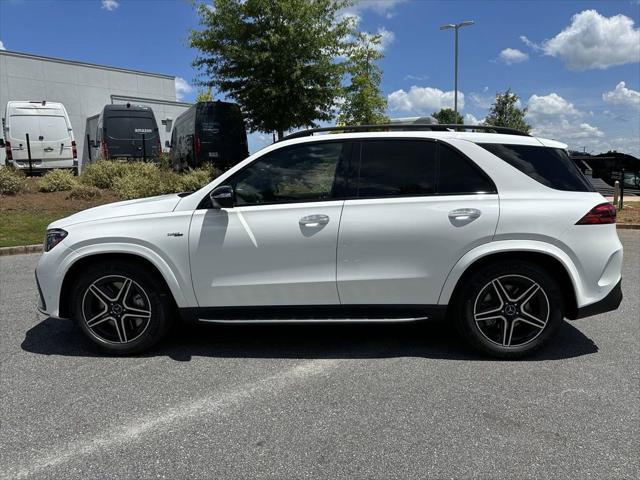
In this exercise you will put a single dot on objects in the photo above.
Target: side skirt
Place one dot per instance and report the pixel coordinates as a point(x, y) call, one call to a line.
point(314, 314)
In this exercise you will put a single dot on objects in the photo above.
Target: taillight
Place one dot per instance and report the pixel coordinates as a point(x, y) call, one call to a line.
point(7, 146)
point(74, 149)
point(196, 145)
point(105, 150)
point(603, 213)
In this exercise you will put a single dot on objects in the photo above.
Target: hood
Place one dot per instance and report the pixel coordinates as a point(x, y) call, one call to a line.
point(140, 206)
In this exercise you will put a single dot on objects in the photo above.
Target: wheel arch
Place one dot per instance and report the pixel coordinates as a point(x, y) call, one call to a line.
point(558, 269)
point(71, 275)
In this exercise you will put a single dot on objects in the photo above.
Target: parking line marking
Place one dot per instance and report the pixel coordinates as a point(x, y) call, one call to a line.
point(132, 432)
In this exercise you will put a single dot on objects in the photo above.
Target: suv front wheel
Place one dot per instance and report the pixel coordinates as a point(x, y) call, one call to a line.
point(121, 307)
point(509, 309)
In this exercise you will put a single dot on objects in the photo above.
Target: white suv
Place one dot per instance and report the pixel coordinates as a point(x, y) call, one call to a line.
point(497, 230)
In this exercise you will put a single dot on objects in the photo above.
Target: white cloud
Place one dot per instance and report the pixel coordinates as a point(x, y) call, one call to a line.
point(622, 95)
point(110, 5)
point(594, 41)
point(2, 46)
point(529, 43)
point(550, 106)
point(470, 119)
point(513, 55)
point(422, 100)
point(416, 77)
point(386, 38)
point(481, 100)
point(386, 8)
point(182, 88)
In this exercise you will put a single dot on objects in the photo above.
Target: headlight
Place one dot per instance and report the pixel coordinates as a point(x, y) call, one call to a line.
point(53, 237)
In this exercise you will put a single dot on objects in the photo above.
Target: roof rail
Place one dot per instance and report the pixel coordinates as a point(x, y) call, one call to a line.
point(386, 127)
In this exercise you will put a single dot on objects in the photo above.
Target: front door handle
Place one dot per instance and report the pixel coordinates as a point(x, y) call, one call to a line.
point(464, 214)
point(314, 220)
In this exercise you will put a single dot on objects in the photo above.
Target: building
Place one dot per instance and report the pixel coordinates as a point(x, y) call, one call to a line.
point(84, 89)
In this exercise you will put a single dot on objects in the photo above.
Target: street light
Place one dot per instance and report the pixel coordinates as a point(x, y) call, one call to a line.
point(456, 27)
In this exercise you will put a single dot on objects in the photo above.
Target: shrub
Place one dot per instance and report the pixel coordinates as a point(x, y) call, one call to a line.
point(84, 192)
point(12, 181)
point(194, 180)
point(103, 173)
point(58, 181)
point(145, 180)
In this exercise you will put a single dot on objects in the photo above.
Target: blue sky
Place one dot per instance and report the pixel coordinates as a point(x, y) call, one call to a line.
point(566, 59)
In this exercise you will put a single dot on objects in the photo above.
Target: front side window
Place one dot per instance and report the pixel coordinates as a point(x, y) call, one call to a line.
point(300, 173)
point(392, 168)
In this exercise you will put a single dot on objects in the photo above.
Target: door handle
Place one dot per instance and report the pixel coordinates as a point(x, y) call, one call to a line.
point(464, 214)
point(48, 149)
point(314, 220)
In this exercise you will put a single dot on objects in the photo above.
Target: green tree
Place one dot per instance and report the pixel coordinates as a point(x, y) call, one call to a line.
point(278, 59)
point(448, 116)
point(504, 112)
point(363, 101)
point(204, 96)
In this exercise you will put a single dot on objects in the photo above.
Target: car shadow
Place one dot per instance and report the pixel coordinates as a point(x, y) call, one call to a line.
point(431, 339)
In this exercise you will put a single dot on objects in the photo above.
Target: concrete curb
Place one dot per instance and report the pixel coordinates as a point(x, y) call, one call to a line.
point(20, 250)
point(23, 249)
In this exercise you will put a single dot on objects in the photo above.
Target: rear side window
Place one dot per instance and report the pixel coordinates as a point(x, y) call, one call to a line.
point(397, 168)
point(458, 176)
point(551, 167)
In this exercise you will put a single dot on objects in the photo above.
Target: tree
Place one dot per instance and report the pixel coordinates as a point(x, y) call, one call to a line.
point(204, 96)
point(278, 59)
point(448, 116)
point(363, 101)
point(504, 112)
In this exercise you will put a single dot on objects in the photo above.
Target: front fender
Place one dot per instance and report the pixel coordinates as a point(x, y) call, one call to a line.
point(506, 246)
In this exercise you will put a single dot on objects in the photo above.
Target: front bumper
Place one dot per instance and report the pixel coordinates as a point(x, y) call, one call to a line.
point(607, 304)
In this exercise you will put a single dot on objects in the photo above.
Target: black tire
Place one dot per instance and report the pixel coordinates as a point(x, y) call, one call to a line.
point(125, 330)
point(494, 322)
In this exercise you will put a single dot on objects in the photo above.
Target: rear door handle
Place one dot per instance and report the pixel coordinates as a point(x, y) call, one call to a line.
point(462, 214)
point(314, 220)
point(48, 149)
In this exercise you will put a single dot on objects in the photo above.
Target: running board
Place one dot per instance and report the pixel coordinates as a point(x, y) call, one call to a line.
point(313, 320)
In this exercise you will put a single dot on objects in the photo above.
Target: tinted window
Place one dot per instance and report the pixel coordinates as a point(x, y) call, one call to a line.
point(130, 128)
point(458, 176)
point(396, 168)
point(550, 166)
point(295, 174)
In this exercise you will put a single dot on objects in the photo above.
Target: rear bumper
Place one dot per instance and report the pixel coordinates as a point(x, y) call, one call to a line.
point(607, 304)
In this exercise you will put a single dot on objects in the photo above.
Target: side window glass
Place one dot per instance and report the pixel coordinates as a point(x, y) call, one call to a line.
point(393, 168)
point(458, 176)
point(300, 173)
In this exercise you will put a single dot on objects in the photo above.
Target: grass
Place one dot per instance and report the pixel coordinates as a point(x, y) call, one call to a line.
point(26, 228)
point(630, 213)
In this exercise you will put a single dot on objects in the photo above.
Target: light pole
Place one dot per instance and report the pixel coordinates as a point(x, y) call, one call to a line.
point(456, 27)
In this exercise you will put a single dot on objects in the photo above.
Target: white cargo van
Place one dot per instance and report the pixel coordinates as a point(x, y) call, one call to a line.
point(51, 142)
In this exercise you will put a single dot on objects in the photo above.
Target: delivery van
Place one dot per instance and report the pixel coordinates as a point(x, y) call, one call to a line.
point(126, 132)
point(38, 136)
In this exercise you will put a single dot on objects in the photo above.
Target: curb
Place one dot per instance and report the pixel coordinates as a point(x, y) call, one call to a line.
point(24, 249)
point(20, 250)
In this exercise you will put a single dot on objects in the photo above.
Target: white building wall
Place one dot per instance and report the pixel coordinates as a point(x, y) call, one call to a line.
point(85, 89)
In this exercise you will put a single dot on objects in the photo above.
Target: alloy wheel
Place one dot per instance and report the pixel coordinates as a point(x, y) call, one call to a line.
point(511, 310)
point(116, 309)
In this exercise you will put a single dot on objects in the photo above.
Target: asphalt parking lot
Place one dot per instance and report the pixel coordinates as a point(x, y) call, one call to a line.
point(395, 401)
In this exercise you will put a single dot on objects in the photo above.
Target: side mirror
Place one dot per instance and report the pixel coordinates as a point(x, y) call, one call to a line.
point(1, 143)
point(167, 144)
point(92, 143)
point(222, 197)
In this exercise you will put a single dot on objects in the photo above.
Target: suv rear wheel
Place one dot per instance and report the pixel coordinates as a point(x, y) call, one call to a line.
point(509, 309)
point(122, 308)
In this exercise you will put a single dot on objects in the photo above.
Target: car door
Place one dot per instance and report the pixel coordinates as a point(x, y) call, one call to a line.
point(420, 206)
point(277, 245)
